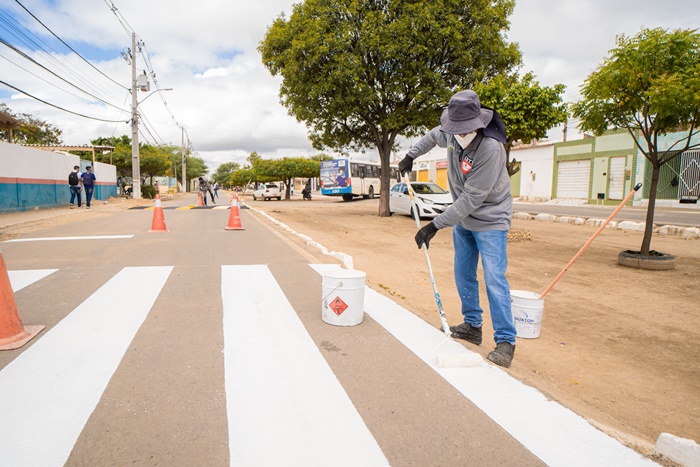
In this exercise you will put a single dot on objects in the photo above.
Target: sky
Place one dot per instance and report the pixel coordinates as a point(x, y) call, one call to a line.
point(223, 97)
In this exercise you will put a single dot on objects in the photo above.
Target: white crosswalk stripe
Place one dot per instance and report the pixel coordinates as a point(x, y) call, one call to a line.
point(48, 392)
point(283, 402)
point(285, 405)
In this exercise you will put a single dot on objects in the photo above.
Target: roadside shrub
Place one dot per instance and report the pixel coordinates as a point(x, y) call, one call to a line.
point(148, 191)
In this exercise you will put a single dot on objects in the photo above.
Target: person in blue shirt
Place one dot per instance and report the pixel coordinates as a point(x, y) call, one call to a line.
point(89, 182)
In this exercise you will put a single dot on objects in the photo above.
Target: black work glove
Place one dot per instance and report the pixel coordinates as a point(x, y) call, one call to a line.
point(425, 234)
point(406, 165)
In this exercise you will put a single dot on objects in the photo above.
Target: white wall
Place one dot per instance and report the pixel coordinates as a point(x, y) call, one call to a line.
point(536, 168)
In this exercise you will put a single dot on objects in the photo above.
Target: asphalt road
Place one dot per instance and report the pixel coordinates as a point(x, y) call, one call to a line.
point(202, 346)
point(662, 216)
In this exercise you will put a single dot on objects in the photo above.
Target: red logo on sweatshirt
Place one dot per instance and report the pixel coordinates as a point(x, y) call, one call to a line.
point(466, 165)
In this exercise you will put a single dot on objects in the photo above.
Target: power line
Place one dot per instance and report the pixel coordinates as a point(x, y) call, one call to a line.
point(33, 42)
point(56, 106)
point(3, 41)
point(71, 48)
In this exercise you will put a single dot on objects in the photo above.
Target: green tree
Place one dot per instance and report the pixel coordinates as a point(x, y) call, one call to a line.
point(224, 171)
point(242, 177)
point(252, 158)
point(528, 110)
point(121, 156)
point(650, 85)
point(196, 167)
point(154, 161)
point(286, 169)
point(360, 73)
point(31, 130)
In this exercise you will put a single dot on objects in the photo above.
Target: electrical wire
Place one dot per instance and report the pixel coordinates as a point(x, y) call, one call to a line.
point(56, 106)
point(32, 42)
point(71, 48)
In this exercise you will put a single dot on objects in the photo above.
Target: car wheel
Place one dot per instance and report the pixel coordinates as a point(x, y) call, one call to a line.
point(254, 198)
point(279, 198)
point(347, 197)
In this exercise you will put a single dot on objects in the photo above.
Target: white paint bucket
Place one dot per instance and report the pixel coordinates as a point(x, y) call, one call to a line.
point(343, 297)
point(527, 310)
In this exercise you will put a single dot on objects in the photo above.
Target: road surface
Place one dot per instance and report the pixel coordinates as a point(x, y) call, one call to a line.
point(202, 346)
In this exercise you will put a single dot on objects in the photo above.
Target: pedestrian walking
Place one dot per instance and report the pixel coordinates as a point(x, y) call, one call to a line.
point(74, 186)
point(89, 181)
point(480, 215)
point(216, 188)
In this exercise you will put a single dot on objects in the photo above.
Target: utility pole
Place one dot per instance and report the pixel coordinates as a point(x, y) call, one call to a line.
point(135, 161)
point(184, 163)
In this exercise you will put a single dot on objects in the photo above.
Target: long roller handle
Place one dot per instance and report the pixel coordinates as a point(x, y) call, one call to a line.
point(443, 320)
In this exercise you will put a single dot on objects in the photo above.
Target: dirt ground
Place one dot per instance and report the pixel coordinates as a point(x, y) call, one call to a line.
point(619, 346)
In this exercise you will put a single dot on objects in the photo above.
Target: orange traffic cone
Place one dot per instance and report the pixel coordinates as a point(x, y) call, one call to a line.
point(200, 200)
point(158, 224)
point(13, 334)
point(234, 219)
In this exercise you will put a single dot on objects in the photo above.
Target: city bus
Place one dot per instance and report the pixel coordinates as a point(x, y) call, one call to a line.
point(346, 178)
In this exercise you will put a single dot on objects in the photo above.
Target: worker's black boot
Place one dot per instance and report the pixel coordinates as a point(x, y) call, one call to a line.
point(467, 332)
point(503, 354)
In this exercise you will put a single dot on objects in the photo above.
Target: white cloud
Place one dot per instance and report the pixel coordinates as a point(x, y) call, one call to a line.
point(229, 103)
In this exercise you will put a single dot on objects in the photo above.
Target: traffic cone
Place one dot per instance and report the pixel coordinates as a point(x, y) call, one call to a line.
point(200, 200)
point(13, 334)
point(234, 219)
point(158, 224)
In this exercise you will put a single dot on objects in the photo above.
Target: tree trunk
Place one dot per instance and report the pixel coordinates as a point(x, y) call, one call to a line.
point(649, 227)
point(385, 161)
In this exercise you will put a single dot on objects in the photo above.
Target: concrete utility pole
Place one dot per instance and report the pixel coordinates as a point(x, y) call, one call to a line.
point(184, 163)
point(135, 161)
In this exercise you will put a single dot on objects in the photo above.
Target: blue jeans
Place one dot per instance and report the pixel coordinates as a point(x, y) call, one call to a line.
point(491, 245)
point(89, 190)
point(75, 191)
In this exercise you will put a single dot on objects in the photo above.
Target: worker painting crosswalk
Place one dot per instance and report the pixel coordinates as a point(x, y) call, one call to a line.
point(284, 404)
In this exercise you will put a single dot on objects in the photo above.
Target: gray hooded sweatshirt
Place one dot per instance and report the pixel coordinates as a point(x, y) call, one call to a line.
point(478, 180)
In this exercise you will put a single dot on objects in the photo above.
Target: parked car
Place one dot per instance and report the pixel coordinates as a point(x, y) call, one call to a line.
point(431, 199)
point(267, 191)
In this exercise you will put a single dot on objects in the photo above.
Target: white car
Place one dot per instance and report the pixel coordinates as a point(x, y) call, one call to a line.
point(431, 199)
point(267, 191)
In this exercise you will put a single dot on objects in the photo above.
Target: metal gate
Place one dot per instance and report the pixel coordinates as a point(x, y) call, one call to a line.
point(573, 179)
point(689, 183)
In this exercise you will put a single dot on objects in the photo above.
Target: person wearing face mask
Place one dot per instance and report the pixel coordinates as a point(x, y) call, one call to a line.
point(480, 215)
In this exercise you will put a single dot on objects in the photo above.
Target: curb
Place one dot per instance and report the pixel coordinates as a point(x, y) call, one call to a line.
point(683, 451)
point(677, 230)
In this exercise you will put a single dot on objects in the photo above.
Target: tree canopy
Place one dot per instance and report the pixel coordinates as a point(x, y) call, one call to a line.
point(31, 130)
point(224, 171)
point(649, 85)
point(360, 73)
point(285, 169)
point(528, 110)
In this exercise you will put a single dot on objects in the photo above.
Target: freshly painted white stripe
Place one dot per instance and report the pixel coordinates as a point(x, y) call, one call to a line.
point(284, 404)
point(555, 434)
point(21, 279)
point(49, 391)
point(51, 239)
